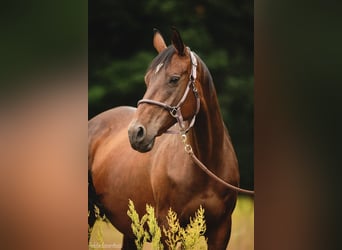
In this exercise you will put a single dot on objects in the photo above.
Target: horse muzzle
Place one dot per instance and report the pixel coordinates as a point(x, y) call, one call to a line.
point(139, 139)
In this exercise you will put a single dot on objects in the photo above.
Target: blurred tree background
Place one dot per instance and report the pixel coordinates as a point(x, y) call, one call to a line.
point(219, 31)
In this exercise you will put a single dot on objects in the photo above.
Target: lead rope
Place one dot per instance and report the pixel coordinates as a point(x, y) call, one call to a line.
point(188, 149)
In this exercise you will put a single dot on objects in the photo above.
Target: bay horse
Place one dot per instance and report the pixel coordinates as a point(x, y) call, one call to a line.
point(138, 154)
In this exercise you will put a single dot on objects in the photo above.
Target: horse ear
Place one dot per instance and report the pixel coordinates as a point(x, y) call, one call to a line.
point(158, 41)
point(177, 42)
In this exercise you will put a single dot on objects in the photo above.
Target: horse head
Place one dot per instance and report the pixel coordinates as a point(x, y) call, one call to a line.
point(170, 79)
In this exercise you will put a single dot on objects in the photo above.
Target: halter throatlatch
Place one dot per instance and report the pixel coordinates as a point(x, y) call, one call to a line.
point(175, 111)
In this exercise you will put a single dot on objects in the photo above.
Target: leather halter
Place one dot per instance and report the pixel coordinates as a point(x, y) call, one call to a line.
point(175, 111)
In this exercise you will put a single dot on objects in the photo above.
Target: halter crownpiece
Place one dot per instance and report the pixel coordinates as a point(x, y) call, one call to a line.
point(175, 111)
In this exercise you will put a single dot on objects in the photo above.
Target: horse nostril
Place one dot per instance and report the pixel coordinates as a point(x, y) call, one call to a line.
point(140, 135)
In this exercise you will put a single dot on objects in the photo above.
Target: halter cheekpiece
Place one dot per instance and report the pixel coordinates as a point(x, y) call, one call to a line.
point(175, 111)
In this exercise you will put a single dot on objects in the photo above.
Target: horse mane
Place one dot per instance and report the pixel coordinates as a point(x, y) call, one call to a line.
point(206, 78)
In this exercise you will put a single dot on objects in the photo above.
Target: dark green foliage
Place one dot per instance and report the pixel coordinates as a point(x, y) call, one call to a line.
point(219, 31)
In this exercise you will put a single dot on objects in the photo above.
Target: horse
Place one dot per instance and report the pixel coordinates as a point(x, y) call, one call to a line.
point(138, 153)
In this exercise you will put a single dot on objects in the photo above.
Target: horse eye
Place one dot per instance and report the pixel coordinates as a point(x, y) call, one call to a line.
point(174, 79)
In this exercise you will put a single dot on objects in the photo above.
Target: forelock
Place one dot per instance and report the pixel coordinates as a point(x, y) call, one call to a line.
point(163, 59)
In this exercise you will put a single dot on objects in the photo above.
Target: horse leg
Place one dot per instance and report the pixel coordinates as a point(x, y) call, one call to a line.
point(128, 243)
point(218, 237)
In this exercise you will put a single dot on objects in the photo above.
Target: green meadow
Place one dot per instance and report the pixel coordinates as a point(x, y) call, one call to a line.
point(105, 236)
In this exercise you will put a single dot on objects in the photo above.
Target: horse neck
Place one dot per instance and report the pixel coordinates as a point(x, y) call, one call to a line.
point(208, 134)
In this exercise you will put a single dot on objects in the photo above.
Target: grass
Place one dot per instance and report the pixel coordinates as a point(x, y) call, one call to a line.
point(242, 236)
point(105, 236)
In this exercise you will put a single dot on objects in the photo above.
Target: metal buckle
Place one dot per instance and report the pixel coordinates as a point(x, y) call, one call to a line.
point(194, 89)
point(174, 111)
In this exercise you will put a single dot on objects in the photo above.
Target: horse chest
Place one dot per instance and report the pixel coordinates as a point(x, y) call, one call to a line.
point(185, 198)
point(213, 203)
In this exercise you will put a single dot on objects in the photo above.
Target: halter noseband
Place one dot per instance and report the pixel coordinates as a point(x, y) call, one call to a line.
point(175, 111)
